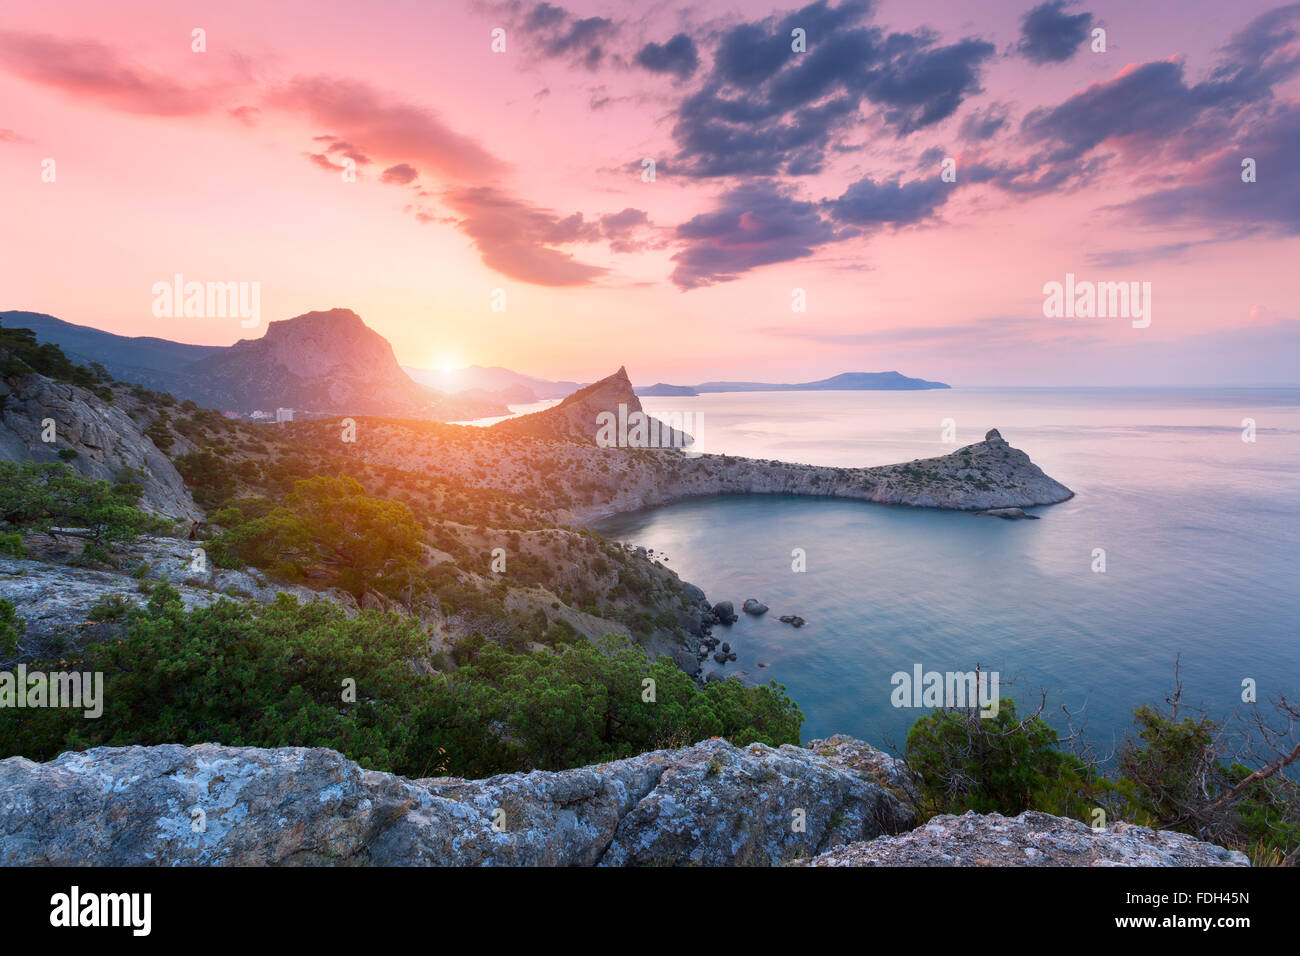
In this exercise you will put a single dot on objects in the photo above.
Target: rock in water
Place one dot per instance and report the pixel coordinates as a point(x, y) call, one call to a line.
point(725, 612)
point(1011, 514)
point(753, 606)
point(793, 620)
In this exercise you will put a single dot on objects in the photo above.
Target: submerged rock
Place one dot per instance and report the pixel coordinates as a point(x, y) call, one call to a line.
point(1008, 513)
point(792, 619)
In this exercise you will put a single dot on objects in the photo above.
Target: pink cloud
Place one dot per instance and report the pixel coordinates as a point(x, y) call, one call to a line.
point(86, 68)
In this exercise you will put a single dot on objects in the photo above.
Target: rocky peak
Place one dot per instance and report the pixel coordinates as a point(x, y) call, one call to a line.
point(993, 435)
point(576, 419)
point(329, 362)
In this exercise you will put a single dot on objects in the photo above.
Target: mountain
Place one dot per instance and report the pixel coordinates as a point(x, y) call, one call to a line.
point(578, 417)
point(847, 381)
point(324, 363)
point(491, 379)
point(662, 388)
point(152, 362)
point(329, 362)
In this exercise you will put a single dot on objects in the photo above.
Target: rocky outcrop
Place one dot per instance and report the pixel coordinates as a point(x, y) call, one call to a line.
point(579, 417)
point(713, 804)
point(1031, 839)
point(56, 599)
point(754, 606)
point(105, 437)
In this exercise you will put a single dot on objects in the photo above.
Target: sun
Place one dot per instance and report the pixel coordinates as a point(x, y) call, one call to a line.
point(447, 363)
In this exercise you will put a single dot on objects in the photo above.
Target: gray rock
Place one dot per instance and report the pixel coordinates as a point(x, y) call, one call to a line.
point(106, 438)
point(1031, 839)
point(753, 606)
point(725, 612)
point(711, 804)
point(1011, 514)
point(792, 619)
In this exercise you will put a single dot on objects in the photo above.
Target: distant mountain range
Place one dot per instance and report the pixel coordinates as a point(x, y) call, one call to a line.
point(332, 363)
point(326, 363)
point(846, 381)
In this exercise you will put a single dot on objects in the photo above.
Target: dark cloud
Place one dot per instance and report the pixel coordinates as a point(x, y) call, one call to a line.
point(1211, 192)
point(401, 174)
point(764, 109)
point(556, 33)
point(678, 56)
point(932, 157)
point(753, 225)
point(870, 204)
point(516, 238)
point(1050, 35)
point(1151, 108)
point(983, 124)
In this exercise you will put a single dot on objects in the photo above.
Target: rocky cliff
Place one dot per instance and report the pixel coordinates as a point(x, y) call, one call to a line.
point(105, 438)
point(710, 804)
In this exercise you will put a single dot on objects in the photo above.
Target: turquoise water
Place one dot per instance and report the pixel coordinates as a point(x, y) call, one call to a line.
point(1201, 533)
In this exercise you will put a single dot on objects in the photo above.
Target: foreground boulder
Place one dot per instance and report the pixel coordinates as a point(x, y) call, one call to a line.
point(711, 804)
point(835, 803)
point(1031, 839)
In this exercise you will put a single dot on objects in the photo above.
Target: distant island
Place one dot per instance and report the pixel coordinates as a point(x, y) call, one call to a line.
point(846, 381)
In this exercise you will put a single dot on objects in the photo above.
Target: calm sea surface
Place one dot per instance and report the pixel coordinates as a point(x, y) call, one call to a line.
point(1201, 533)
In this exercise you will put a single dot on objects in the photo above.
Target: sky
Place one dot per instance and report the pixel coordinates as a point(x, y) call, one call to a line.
point(502, 212)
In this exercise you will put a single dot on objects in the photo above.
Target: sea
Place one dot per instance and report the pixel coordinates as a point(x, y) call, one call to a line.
point(1175, 564)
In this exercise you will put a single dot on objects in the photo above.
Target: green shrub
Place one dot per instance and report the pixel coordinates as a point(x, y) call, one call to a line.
point(272, 675)
point(109, 607)
point(12, 628)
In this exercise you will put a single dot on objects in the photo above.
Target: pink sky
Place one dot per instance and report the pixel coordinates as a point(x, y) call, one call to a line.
point(776, 170)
